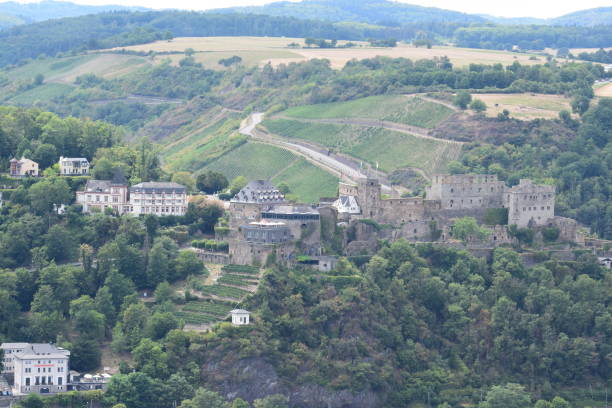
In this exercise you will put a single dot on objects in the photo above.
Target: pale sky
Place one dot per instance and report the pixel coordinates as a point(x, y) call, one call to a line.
point(513, 8)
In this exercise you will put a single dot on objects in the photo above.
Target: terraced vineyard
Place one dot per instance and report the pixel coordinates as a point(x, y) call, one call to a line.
point(408, 110)
point(390, 149)
point(219, 299)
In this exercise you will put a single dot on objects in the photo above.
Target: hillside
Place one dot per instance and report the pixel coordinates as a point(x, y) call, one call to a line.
point(51, 9)
point(382, 12)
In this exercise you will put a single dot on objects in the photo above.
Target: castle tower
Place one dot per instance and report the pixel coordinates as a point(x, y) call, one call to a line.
point(369, 191)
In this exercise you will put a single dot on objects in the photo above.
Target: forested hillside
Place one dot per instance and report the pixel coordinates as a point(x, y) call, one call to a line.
point(380, 12)
point(50, 9)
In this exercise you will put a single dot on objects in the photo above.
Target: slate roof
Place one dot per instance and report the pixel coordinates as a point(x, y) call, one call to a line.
point(158, 187)
point(259, 192)
point(98, 186)
point(119, 178)
point(38, 350)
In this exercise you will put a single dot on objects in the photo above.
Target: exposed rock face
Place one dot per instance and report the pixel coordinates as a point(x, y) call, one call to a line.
point(254, 378)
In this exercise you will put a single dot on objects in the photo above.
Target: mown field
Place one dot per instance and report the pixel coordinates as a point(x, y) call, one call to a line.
point(260, 161)
point(525, 106)
point(393, 108)
point(261, 50)
point(391, 150)
point(604, 90)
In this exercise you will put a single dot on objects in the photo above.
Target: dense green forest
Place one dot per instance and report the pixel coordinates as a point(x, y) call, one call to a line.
point(380, 12)
point(533, 37)
point(414, 325)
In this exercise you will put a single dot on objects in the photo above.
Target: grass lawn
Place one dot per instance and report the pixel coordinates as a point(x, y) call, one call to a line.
point(393, 108)
point(392, 150)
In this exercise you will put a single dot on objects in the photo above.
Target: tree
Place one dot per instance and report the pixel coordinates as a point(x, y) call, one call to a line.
point(163, 292)
point(462, 99)
point(104, 304)
point(46, 155)
point(184, 178)
point(211, 182)
point(162, 258)
point(237, 184)
point(150, 359)
point(187, 263)
point(47, 192)
point(467, 228)
point(478, 106)
point(85, 354)
point(87, 321)
point(39, 79)
point(119, 287)
point(133, 324)
point(32, 400)
point(160, 324)
point(507, 396)
point(60, 244)
point(205, 399)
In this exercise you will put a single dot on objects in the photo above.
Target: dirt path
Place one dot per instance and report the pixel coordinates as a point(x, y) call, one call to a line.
point(397, 127)
point(439, 102)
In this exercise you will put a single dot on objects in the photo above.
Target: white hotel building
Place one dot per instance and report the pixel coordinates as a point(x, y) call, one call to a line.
point(41, 368)
point(158, 198)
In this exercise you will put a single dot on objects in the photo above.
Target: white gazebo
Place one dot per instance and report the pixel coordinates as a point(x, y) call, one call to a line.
point(240, 317)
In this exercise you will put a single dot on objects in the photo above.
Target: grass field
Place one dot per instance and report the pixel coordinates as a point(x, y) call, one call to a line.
point(67, 69)
point(44, 92)
point(394, 108)
point(261, 50)
point(604, 91)
point(525, 106)
point(392, 150)
point(260, 161)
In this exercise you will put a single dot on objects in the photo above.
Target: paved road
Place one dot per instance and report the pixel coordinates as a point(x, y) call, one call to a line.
point(337, 166)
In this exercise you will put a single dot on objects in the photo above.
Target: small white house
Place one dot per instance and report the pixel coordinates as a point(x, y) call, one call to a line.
point(240, 317)
point(606, 262)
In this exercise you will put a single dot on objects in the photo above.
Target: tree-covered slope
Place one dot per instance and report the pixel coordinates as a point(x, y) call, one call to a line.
point(366, 11)
point(416, 326)
point(590, 17)
point(50, 9)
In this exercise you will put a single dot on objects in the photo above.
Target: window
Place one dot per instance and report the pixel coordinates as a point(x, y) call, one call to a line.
point(59, 380)
point(27, 381)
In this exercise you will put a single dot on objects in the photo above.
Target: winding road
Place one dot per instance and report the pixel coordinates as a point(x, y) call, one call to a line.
point(321, 158)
